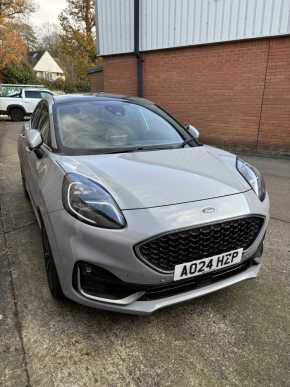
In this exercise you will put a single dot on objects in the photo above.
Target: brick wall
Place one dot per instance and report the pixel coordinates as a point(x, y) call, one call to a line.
point(97, 81)
point(119, 74)
point(237, 94)
point(275, 120)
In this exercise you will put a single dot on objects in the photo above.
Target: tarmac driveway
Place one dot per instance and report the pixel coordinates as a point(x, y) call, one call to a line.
point(236, 337)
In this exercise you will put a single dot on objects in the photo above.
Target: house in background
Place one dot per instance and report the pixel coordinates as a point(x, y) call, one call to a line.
point(45, 66)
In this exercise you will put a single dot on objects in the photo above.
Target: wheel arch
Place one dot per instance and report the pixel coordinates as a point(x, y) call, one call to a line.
point(15, 106)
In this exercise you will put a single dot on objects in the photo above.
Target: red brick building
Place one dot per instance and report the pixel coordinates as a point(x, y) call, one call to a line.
point(236, 91)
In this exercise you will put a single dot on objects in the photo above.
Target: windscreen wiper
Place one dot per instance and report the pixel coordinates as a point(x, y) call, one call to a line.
point(138, 149)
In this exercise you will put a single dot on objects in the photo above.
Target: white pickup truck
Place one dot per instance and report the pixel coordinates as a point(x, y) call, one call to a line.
point(22, 103)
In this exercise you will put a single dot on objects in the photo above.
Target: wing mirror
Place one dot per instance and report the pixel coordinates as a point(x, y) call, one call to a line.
point(34, 139)
point(193, 131)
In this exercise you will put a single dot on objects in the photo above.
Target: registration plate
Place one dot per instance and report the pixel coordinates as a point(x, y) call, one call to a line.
point(206, 265)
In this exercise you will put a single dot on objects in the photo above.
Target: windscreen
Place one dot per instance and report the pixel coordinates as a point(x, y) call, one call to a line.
point(109, 125)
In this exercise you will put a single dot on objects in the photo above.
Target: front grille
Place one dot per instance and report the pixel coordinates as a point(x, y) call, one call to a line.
point(166, 251)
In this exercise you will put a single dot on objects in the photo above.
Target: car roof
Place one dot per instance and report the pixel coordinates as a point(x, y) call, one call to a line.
point(35, 89)
point(100, 97)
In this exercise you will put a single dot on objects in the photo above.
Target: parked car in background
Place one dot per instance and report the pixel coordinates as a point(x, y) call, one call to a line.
point(7, 89)
point(135, 213)
point(22, 103)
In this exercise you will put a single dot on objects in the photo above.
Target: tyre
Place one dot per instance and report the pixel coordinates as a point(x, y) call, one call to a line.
point(17, 114)
point(52, 276)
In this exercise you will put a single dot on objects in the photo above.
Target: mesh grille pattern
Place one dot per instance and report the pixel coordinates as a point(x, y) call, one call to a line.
point(166, 251)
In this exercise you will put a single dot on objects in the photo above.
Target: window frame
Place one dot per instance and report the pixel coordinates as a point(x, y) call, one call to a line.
point(46, 94)
point(45, 131)
point(36, 115)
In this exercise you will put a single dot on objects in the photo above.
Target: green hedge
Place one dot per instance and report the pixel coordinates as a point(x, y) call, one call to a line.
point(19, 73)
point(23, 73)
point(68, 86)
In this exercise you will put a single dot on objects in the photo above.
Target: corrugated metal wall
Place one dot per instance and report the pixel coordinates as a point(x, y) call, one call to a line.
point(176, 23)
point(115, 26)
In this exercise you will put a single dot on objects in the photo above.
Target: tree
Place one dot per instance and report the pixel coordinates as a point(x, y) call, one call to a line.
point(27, 34)
point(19, 73)
point(78, 36)
point(79, 16)
point(12, 47)
point(10, 9)
point(49, 39)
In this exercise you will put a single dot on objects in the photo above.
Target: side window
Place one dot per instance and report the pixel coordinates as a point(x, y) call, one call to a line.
point(35, 117)
point(33, 94)
point(44, 125)
point(45, 94)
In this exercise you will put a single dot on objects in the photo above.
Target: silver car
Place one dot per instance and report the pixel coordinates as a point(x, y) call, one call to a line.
point(135, 213)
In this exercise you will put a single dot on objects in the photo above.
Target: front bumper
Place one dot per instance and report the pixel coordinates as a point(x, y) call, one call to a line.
point(146, 307)
point(73, 241)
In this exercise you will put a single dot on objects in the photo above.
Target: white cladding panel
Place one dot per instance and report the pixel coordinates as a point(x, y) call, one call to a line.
point(115, 26)
point(176, 23)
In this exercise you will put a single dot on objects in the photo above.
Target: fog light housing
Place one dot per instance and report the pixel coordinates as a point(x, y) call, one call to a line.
point(97, 283)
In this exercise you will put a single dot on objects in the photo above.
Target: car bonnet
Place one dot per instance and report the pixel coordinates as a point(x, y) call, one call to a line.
point(149, 179)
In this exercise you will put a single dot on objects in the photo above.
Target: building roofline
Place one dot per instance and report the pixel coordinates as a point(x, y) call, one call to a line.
point(152, 50)
point(95, 69)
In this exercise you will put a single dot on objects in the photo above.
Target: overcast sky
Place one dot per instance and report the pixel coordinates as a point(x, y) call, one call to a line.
point(48, 11)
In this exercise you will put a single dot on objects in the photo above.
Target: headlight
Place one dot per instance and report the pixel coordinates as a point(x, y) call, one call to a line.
point(89, 202)
point(253, 177)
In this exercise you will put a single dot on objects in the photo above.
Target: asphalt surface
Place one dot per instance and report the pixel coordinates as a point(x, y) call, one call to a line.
point(236, 337)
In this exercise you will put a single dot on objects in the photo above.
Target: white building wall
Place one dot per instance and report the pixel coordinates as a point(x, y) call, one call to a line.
point(177, 23)
point(115, 26)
